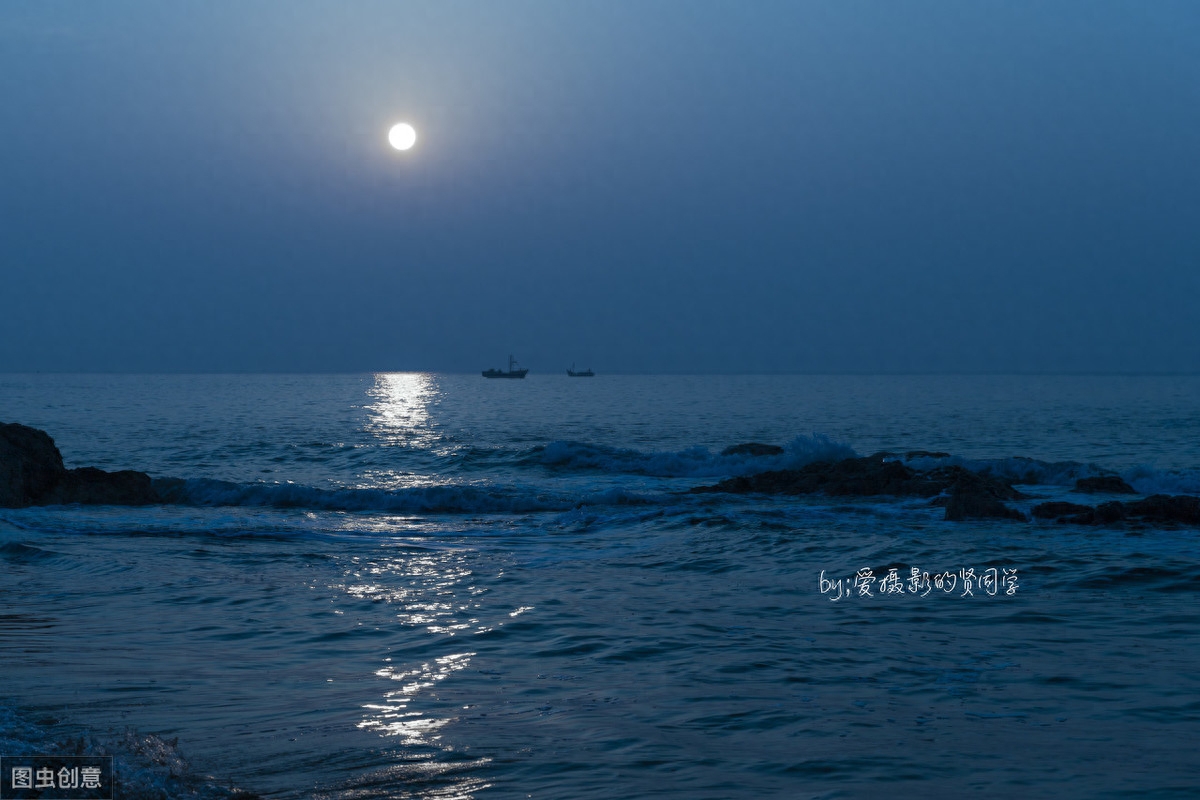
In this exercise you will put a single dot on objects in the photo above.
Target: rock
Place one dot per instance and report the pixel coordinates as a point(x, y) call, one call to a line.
point(1158, 509)
point(1108, 513)
point(973, 506)
point(1103, 514)
point(851, 476)
point(32, 474)
point(962, 479)
point(91, 486)
point(1161, 508)
point(30, 465)
point(976, 496)
point(861, 477)
point(752, 449)
point(1057, 510)
point(1103, 484)
point(965, 494)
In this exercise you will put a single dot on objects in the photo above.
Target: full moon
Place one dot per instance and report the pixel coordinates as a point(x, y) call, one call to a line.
point(402, 136)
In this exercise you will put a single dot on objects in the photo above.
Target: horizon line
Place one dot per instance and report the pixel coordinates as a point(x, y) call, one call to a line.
point(673, 373)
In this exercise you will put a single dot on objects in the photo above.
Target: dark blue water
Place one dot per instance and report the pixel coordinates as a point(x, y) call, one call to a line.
point(440, 586)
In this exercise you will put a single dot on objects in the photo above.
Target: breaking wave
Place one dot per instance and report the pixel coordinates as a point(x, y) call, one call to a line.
point(698, 462)
point(146, 766)
point(586, 474)
point(1148, 480)
point(1016, 469)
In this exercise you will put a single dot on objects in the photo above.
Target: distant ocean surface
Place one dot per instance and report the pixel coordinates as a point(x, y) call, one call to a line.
point(440, 586)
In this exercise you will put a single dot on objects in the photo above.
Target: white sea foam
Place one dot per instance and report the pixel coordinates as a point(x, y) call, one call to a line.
point(256, 632)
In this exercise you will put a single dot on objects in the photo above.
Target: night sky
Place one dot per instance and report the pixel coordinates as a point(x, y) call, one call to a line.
point(645, 186)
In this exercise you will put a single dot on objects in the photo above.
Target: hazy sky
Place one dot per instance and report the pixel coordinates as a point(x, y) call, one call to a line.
point(633, 185)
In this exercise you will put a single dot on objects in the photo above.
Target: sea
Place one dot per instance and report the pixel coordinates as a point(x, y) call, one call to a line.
point(416, 585)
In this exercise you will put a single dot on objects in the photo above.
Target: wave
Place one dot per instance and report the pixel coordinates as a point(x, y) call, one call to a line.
point(1148, 480)
point(21, 553)
point(700, 462)
point(1031, 471)
point(1014, 469)
point(145, 765)
point(565, 475)
point(693, 462)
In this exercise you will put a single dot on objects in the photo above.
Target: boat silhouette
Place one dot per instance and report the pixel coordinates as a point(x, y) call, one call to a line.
point(585, 373)
point(513, 371)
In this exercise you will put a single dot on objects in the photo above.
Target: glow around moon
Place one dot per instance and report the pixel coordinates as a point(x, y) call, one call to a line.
point(402, 136)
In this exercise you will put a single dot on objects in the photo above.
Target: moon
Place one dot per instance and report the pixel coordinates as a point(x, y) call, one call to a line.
point(402, 136)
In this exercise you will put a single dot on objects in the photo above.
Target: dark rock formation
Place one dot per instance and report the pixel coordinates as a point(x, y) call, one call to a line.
point(965, 494)
point(1158, 509)
point(91, 486)
point(849, 477)
point(1103, 484)
point(32, 474)
point(30, 465)
point(1103, 514)
point(966, 482)
point(976, 496)
point(972, 495)
point(752, 449)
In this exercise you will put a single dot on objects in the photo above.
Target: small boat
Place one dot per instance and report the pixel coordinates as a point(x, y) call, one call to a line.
point(586, 373)
point(513, 371)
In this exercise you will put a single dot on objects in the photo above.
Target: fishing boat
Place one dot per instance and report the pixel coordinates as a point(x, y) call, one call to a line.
point(584, 373)
point(513, 371)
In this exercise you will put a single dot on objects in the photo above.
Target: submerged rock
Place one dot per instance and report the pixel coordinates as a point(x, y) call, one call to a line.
point(972, 495)
point(849, 477)
point(1180, 508)
point(91, 486)
point(1103, 484)
point(752, 449)
point(32, 474)
point(1158, 509)
point(976, 496)
point(1103, 514)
